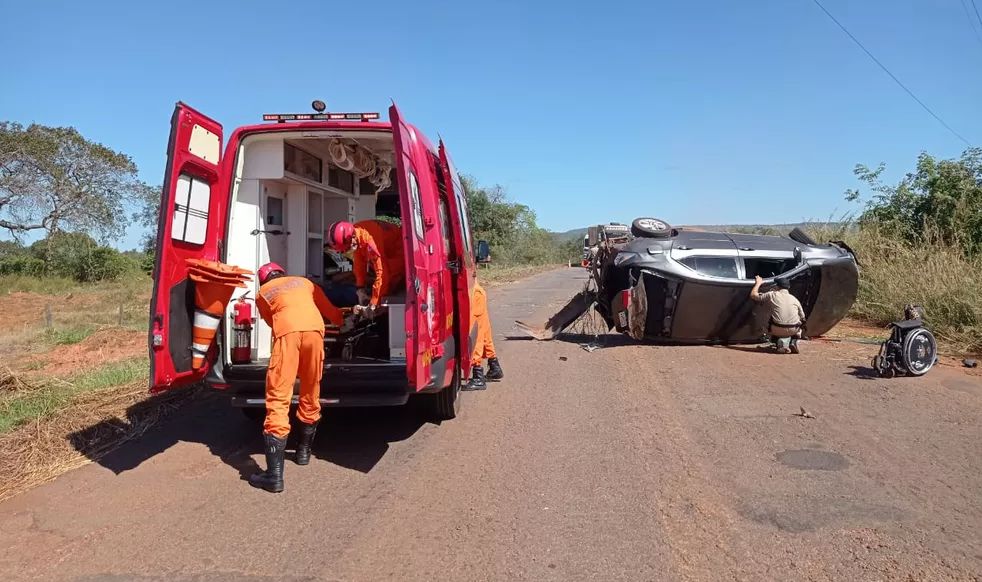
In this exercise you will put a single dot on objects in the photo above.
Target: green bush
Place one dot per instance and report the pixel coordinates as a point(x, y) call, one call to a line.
point(22, 265)
point(76, 256)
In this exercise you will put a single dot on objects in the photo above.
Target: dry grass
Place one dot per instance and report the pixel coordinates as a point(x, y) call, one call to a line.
point(937, 276)
point(494, 275)
point(90, 426)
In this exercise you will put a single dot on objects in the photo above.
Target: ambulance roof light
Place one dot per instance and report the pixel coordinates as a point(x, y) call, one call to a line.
point(284, 117)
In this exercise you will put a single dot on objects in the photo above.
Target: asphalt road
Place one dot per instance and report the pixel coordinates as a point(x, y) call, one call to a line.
point(625, 463)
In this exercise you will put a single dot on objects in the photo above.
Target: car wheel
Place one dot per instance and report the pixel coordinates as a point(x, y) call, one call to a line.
point(651, 228)
point(801, 236)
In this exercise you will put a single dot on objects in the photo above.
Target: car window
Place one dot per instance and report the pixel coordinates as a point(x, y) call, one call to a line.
point(712, 266)
point(767, 268)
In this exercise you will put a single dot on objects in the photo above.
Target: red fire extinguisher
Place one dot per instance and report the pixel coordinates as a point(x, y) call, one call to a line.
point(242, 331)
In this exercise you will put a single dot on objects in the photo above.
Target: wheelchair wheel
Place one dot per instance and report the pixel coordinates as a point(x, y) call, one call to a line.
point(919, 352)
point(877, 365)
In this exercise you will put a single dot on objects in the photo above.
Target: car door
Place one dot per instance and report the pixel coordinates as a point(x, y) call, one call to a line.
point(190, 225)
point(419, 354)
point(462, 265)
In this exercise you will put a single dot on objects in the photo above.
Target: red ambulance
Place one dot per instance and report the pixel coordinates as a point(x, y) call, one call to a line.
point(269, 195)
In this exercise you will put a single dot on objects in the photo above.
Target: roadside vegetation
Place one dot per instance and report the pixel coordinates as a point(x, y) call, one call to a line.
point(518, 244)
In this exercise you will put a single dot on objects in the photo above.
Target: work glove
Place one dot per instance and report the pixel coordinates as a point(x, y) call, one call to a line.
point(363, 296)
point(367, 311)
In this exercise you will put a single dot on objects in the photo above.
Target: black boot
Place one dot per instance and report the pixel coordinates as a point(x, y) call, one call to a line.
point(272, 478)
point(307, 432)
point(494, 369)
point(477, 379)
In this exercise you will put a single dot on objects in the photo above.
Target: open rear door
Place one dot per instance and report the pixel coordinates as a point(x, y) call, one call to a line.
point(463, 275)
point(190, 225)
point(418, 353)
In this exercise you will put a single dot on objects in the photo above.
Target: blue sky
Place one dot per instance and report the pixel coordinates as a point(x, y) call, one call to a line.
point(700, 113)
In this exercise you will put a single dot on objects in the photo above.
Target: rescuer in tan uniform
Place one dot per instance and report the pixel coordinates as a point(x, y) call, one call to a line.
point(295, 309)
point(786, 319)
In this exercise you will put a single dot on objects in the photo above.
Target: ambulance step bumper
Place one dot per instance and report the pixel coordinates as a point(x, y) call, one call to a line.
point(340, 401)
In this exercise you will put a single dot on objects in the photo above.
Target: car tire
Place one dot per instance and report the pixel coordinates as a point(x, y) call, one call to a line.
point(445, 404)
point(646, 227)
point(801, 236)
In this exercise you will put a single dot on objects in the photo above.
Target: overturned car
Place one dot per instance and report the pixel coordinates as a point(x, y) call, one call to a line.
point(692, 286)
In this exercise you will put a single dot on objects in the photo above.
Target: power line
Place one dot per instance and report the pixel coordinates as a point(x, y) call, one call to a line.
point(977, 15)
point(892, 76)
point(971, 21)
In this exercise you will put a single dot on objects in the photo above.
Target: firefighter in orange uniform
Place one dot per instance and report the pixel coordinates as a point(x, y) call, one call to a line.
point(376, 244)
point(295, 309)
point(484, 345)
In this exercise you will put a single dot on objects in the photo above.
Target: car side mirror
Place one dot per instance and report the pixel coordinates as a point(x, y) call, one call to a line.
point(483, 252)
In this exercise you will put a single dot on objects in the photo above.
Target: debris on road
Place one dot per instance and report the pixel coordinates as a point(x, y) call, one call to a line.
point(804, 413)
point(590, 347)
point(970, 363)
point(563, 358)
point(564, 318)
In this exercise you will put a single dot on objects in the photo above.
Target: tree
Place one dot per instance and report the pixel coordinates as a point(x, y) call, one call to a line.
point(147, 215)
point(940, 198)
point(53, 179)
point(510, 228)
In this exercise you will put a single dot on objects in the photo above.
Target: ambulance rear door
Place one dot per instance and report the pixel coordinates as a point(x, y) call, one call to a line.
point(420, 303)
point(191, 225)
point(462, 265)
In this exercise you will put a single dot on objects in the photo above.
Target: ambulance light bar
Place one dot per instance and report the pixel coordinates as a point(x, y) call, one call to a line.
point(283, 117)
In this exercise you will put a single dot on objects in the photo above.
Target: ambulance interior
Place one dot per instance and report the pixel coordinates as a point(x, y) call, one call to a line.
point(288, 189)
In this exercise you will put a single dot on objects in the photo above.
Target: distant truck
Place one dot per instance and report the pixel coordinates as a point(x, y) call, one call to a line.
point(601, 233)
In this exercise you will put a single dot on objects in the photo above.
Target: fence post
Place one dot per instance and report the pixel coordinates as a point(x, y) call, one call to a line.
point(120, 315)
point(47, 316)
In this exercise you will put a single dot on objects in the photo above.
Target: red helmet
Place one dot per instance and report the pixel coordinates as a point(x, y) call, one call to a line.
point(268, 269)
point(339, 235)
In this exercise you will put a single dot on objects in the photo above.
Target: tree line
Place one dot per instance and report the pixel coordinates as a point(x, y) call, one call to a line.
point(80, 196)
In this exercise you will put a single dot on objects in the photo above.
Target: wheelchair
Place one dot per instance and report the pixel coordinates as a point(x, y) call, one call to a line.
point(910, 350)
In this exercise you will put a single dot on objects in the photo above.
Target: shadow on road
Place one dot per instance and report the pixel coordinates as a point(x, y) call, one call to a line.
point(604, 341)
point(352, 438)
point(862, 372)
point(750, 349)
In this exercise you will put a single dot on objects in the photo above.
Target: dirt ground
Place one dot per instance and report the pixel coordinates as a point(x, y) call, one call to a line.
point(631, 462)
point(102, 347)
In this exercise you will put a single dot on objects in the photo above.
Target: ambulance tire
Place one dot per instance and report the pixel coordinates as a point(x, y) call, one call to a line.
point(445, 404)
point(254, 414)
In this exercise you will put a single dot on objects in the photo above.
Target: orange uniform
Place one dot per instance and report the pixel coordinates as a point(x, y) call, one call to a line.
point(296, 309)
point(379, 245)
point(484, 345)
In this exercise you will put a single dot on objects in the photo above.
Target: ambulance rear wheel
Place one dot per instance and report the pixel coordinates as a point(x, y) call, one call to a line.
point(445, 404)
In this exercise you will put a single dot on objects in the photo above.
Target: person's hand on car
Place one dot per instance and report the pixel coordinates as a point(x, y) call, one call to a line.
point(758, 280)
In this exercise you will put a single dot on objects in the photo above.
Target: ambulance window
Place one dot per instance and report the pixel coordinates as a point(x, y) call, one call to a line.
point(445, 226)
point(191, 200)
point(462, 209)
point(417, 206)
